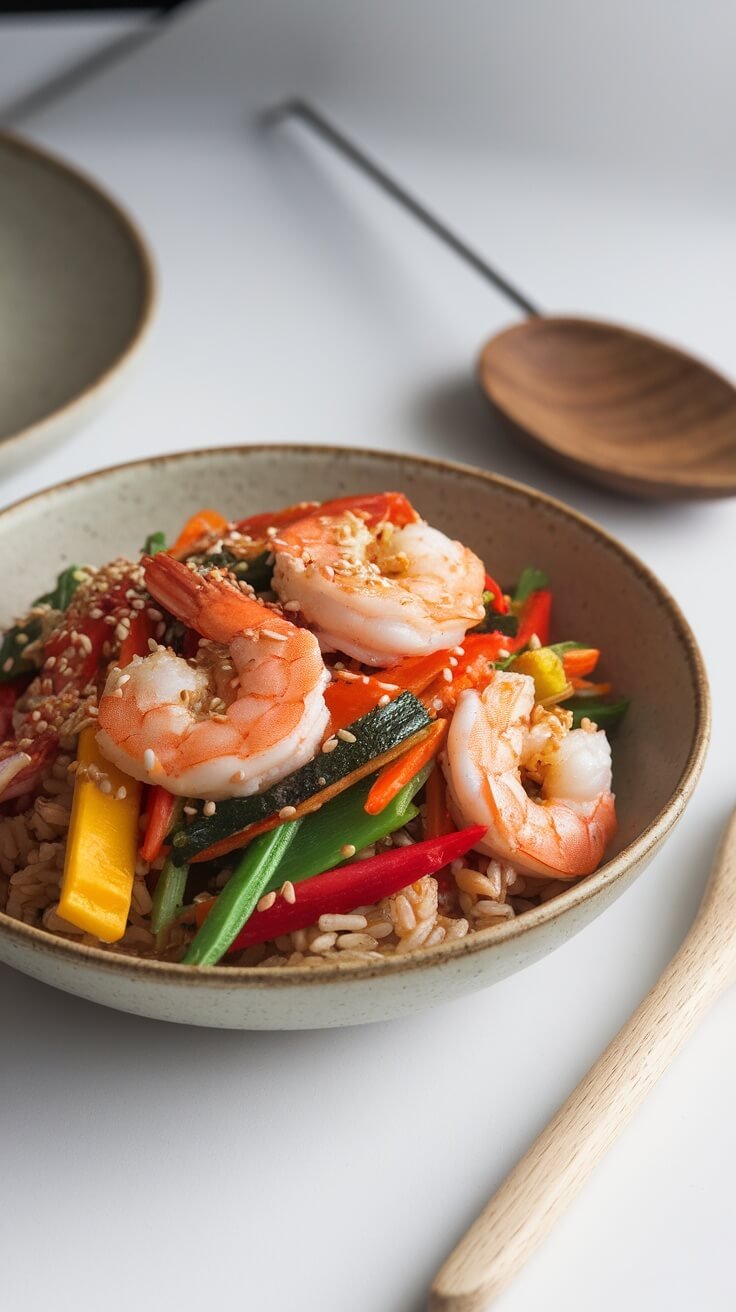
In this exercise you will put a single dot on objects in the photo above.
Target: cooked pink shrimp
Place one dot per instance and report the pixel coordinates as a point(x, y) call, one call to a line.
point(377, 591)
point(248, 712)
point(565, 833)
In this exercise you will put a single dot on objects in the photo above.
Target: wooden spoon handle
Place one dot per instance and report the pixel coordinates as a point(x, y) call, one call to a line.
point(534, 1195)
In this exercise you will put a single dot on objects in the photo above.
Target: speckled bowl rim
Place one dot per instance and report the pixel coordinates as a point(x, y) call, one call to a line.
point(66, 411)
point(635, 853)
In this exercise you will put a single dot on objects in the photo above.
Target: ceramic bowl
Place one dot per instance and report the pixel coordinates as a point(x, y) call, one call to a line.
point(658, 752)
point(77, 293)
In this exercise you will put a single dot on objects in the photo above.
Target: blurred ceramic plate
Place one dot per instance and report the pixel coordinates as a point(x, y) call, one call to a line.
point(77, 293)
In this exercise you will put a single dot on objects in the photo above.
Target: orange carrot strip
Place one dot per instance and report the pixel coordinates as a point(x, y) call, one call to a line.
point(393, 777)
point(437, 821)
point(580, 661)
point(349, 700)
point(204, 522)
point(235, 841)
point(584, 686)
point(159, 816)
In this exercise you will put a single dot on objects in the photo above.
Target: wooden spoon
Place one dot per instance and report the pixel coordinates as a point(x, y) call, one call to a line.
point(616, 407)
point(538, 1189)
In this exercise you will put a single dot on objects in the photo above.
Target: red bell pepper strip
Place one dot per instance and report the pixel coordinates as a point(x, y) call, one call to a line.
point(535, 617)
point(362, 882)
point(9, 694)
point(377, 506)
point(499, 602)
point(159, 816)
point(136, 644)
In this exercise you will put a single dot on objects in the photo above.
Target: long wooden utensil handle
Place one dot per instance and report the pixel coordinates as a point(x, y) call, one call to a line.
point(553, 1170)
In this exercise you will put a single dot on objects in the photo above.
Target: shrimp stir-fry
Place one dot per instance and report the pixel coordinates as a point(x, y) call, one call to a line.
point(243, 716)
point(354, 741)
point(562, 834)
point(378, 592)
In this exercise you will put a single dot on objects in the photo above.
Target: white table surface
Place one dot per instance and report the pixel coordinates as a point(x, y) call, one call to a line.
point(150, 1166)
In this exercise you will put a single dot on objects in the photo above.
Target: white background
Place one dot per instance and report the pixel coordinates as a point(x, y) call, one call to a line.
point(588, 149)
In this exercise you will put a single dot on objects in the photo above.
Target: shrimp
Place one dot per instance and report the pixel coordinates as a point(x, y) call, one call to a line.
point(378, 591)
point(247, 712)
point(562, 835)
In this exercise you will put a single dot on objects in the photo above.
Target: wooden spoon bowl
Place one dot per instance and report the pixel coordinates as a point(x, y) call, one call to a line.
point(616, 406)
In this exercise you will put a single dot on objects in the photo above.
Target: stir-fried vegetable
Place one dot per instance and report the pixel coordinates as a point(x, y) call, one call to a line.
point(101, 847)
point(201, 525)
point(437, 819)
point(13, 661)
point(327, 836)
point(154, 543)
point(340, 891)
point(240, 895)
point(605, 714)
point(161, 809)
point(547, 671)
point(367, 740)
point(168, 897)
point(395, 776)
point(531, 580)
point(257, 571)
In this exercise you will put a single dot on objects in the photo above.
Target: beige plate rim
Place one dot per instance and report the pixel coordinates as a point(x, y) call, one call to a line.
point(675, 480)
point(23, 146)
point(483, 940)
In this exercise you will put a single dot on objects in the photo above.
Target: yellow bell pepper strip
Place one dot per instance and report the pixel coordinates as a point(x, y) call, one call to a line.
point(547, 671)
point(97, 883)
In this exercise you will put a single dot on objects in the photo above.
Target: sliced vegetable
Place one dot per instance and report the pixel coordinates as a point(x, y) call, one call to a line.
point(161, 810)
point(361, 882)
point(257, 571)
point(396, 775)
point(240, 895)
point(497, 622)
point(547, 671)
point(99, 869)
point(201, 525)
point(368, 740)
point(142, 627)
point(437, 818)
point(531, 580)
point(495, 595)
point(9, 693)
point(13, 661)
point(584, 688)
point(535, 617)
point(377, 506)
point(154, 543)
point(168, 897)
point(344, 820)
point(605, 714)
point(579, 662)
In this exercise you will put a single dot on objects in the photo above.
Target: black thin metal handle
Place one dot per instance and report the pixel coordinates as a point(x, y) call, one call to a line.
point(301, 109)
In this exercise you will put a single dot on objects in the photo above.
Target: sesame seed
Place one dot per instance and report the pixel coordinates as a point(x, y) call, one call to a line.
point(384, 699)
point(190, 810)
point(503, 653)
point(288, 892)
point(154, 614)
point(149, 759)
point(152, 644)
point(121, 793)
point(117, 692)
point(124, 678)
point(329, 745)
point(447, 674)
point(347, 849)
point(105, 786)
point(452, 662)
point(346, 736)
point(49, 663)
point(209, 808)
point(22, 639)
point(437, 703)
point(287, 812)
point(35, 715)
point(8, 665)
point(266, 902)
point(458, 651)
point(160, 630)
point(292, 606)
point(321, 781)
point(534, 642)
point(388, 687)
point(277, 637)
point(96, 613)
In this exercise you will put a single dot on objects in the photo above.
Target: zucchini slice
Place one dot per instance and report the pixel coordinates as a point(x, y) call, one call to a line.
point(374, 733)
